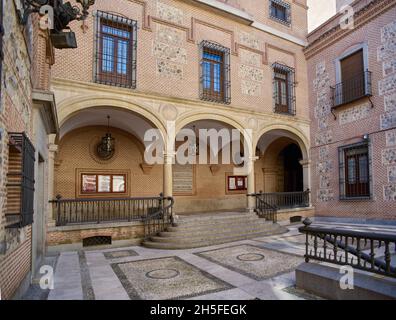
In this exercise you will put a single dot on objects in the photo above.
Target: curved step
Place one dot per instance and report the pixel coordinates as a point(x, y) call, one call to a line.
point(189, 245)
point(216, 225)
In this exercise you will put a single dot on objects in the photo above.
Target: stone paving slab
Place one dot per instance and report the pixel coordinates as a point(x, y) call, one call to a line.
point(166, 278)
point(251, 261)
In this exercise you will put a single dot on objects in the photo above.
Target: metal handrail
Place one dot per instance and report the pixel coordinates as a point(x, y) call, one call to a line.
point(344, 247)
point(160, 220)
point(101, 210)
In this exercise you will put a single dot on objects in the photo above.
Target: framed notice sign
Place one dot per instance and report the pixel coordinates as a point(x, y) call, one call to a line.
point(236, 184)
point(184, 179)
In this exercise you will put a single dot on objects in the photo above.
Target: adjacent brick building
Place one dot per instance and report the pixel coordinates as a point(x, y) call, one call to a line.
point(352, 81)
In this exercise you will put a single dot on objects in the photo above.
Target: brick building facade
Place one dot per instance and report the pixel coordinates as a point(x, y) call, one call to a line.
point(27, 116)
point(352, 102)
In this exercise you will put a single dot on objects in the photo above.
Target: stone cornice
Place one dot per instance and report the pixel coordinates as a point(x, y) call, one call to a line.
point(362, 17)
point(66, 84)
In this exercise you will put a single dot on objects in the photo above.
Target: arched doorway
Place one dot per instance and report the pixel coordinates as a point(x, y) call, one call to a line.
point(292, 168)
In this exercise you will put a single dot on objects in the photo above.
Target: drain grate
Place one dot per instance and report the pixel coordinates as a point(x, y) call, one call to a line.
point(96, 241)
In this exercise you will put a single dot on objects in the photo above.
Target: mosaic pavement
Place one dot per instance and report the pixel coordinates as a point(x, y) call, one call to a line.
point(166, 278)
point(261, 268)
point(252, 261)
point(120, 254)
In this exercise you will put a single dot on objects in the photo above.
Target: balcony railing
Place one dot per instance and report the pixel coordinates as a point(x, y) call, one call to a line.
point(268, 204)
point(352, 89)
point(368, 251)
point(88, 211)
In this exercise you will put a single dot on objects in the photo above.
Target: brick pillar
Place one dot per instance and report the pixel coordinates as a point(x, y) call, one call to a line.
point(251, 187)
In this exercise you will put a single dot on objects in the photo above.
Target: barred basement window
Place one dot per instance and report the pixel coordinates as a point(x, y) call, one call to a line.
point(116, 43)
point(284, 93)
point(280, 11)
point(355, 174)
point(20, 181)
point(215, 84)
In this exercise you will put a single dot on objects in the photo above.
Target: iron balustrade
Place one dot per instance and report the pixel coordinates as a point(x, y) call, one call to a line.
point(104, 210)
point(287, 200)
point(264, 209)
point(352, 89)
point(159, 220)
point(362, 250)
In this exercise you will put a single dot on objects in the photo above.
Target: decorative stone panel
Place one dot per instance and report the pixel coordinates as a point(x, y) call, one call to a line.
point(387, 85)
point(388, 120)
point(324, 167)
point(389, 67)
point(391, 138)
point(250, 58)
point(354, 114)
point(324, 182)
point(389, 157)
point(390, 103)
point(392, 175)
point(249, 40)
point(169, 69)
point(324, 137)
point(171, 53)
point(251, 73)
point(390, 192)
point(251, 88)
point(325, 195)
point(324, 153)
point(170, 35)
point(169, 13)
point(388, 32)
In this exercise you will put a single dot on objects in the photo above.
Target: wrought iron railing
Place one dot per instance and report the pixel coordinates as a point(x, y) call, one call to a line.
point(83, 211)
point(159, 220)
point(264, 209)
point(286, 200)
point(352, 89)
point(366, 251)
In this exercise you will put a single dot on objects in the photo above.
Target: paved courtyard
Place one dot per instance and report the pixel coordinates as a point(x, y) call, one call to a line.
point(261, 268)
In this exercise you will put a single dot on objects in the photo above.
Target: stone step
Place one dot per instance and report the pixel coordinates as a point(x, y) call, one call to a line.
point(189, 245)
point(225, 219)
point(216, 225)
point(182, 232)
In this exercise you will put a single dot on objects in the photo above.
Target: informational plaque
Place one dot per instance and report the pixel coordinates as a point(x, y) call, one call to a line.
point(183, 179)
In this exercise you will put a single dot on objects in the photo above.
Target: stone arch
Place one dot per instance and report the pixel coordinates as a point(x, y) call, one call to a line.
point(70, 107)
point(297, 135)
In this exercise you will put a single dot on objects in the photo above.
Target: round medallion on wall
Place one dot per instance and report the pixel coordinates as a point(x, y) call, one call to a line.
point(162, 274)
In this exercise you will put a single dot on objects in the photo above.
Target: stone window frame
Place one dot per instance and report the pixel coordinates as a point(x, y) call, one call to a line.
point(291, 96)
point(284, 4)
point(226, 80)
point(122, 20)
point(342, 179)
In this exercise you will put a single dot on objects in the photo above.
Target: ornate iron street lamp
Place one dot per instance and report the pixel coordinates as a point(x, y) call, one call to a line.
point(63, 14)
point(106, 146)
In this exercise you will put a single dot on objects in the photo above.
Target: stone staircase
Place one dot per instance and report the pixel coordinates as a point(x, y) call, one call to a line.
point(201, 230)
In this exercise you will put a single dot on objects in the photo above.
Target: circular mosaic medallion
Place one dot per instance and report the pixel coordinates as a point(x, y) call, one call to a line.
point(163, 274)
point(250, 257)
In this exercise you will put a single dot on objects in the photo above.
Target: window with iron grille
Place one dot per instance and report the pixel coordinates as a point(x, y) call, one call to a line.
point(280, 11)
point(284, 84)
point(355, 174)
point(215, 84)
point(116, 43)
point(20, 181)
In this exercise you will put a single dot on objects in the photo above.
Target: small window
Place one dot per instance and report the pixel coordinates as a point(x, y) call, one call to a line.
point(355, 171)
point(103, 183)
point(280, 11)
point(237, 183)
point(283, 82)
point(215, 73)
point(116, 50)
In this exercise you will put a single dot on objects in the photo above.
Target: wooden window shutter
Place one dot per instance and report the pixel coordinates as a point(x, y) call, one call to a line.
point(352, 65)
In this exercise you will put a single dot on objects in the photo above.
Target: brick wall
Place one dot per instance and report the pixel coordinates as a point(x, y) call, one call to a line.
point(377, 29)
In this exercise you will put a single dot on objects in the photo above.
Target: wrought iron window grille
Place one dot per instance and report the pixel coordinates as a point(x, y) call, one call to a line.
point(20, 185)
point(280, 11)
point(355, 173)
point(284, 98)
point(215, 77)
point(115, 50)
